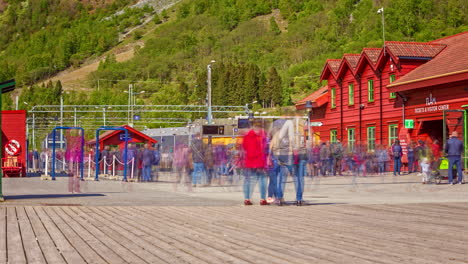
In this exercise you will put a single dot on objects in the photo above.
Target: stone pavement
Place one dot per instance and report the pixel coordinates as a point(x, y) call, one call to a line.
point(377, 220)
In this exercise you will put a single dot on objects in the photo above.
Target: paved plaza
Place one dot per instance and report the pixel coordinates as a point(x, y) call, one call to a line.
point(369, 220)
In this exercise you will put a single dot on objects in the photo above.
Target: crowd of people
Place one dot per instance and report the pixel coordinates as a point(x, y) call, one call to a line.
point(268, 158)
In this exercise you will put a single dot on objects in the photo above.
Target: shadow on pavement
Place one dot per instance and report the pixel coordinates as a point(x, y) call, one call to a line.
point(288, 203)
point(46, 196)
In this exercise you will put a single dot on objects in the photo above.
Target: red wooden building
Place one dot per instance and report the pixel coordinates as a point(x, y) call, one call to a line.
point(363, 99)
point(14, 147)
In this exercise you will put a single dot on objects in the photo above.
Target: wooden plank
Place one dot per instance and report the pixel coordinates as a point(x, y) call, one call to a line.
point(3, 245)
point(49, 248)
point(14, 243)
point(146, 251)
point(169, 245)
point(63, 245)
point(77, 236)
point(31, 246)
point(99, 241)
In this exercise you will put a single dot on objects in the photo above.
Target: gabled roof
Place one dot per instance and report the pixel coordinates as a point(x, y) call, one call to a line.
point(450, 65)
point(372, 54)
point(317, 98)
point(111, 133)
point(350, 61)
point(334, 64)
point(331, 67)
point(369, 56)
point(414, 49)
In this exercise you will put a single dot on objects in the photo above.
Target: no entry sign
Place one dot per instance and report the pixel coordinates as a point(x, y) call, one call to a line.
point(13, 148)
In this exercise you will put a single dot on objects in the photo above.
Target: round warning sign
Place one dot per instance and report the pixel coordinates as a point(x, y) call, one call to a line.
point(13, 148)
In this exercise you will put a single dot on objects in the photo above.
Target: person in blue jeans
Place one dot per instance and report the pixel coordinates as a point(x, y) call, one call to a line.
point(411, 157)
point(198, 155)
point(397, 152)
point(281, 178)
point(273, 171)
point(147, 162)
point(454, 150)
point(301, 172)
point(253, 176)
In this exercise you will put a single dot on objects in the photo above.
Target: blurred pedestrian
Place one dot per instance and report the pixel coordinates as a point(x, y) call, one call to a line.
point(156, 163)
point(382, 158)
point(454, 149)
point(300, 174)
point(198, 156)
point(147, 162)
point(254, 145)
point(324, 158)
point(282, 148)
point(411, 156)
point(336, 150)
point(397, 152)
point(182, 166)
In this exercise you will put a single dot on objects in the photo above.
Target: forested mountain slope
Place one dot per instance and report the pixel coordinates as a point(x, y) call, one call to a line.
point(271, 51)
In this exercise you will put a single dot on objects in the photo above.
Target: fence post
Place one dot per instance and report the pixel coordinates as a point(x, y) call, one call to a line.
point(133, 166)
point(89, 165)
point(105, 165)
point(46, 165)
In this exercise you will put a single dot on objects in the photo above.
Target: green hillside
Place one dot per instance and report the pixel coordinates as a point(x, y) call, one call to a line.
point(271, 51)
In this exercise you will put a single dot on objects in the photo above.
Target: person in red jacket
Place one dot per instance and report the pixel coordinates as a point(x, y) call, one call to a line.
point(255, 158)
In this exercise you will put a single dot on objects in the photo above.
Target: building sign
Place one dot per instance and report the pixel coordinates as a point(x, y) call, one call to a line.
point(409, 123)
point(430, 100)
point(431, 108)
point(122, 137)
point(13, 148)
point(316, 124)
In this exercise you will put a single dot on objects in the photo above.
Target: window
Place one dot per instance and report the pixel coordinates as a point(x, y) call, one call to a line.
point(370, 90)
point(392, 133)
point(351, 138)
point(371, 139)
point(351, 94)
point(333, 97)
point(333, 136)
point(392, 79)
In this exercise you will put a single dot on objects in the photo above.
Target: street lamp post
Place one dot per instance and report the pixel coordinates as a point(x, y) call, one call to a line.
point(308, 107)
point(131, 103)
point(209, 92)
point(381, 11)
point(104, 115)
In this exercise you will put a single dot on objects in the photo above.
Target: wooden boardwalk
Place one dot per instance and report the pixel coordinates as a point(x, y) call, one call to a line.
point(408, 233)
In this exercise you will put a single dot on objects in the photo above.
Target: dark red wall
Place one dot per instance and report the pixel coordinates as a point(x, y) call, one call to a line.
point(14, 127)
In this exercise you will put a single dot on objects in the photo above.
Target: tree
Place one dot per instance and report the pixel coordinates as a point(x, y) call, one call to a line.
point(273, 87)
point(183, 91)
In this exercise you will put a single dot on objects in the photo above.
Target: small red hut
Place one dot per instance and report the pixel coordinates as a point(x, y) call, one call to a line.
point(14, 143)
point(116, 138)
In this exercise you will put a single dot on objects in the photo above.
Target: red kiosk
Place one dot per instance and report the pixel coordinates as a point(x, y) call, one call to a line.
point(114, 138)
point(14, 143)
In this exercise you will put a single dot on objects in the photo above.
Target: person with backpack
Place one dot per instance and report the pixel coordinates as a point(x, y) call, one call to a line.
point(397, 152)
point(454, 149)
